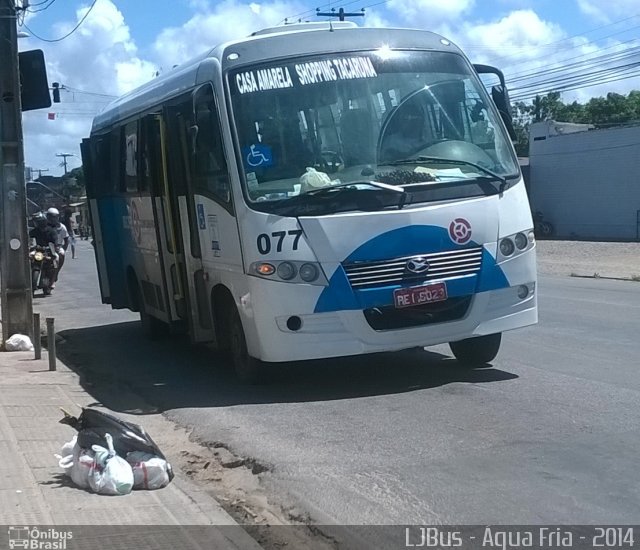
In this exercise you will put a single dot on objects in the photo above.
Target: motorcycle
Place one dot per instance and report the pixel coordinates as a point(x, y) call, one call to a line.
point(541, 228)
point(43, 268)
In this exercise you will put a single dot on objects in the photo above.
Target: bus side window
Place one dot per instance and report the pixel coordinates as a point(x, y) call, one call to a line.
point(209, 165)
point(129, 180)
point(115, 160)
point(102, 165)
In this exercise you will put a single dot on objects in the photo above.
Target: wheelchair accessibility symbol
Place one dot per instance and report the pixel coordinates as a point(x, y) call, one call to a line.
point(258, 155)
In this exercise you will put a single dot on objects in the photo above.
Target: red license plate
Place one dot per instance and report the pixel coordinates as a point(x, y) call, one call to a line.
point(414, 296)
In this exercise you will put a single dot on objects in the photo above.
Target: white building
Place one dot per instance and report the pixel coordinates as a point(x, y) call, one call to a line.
point(586, 182)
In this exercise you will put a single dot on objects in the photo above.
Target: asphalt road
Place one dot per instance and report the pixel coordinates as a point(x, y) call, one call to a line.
point(548, 434)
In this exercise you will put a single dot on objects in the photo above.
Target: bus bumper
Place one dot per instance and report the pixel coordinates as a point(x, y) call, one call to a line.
point(343, 333)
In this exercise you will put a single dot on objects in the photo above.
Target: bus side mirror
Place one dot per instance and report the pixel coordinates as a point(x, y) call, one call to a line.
point(500, 96)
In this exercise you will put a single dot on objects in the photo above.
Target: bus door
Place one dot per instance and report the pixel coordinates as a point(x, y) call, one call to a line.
point(177, 223)
point(88, 149)
point(154, 130)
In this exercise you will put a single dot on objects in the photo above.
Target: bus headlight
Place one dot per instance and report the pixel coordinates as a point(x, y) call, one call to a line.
point(511, 246)
point(290, 271)
point(521, 241)
point(287, 271)
point(507, 247)
point(308, 273)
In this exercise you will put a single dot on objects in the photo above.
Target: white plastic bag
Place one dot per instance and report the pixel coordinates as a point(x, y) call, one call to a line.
point(149, 471)
point(18, 342)
point(312, 179)
point(111, 474)
point(67, 448)
point(77, 465)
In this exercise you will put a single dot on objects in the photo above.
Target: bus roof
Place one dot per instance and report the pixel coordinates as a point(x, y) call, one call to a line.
point(269, 44)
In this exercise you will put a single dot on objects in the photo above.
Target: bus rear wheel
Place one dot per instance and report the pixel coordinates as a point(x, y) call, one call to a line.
point(475, 352)
point(249, 370)
point(153, 328)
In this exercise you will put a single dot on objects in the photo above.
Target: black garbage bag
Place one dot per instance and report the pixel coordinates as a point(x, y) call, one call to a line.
point(92, 425)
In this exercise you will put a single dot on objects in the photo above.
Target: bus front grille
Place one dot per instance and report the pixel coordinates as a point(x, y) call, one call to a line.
point(441, 265)
point(390, 318)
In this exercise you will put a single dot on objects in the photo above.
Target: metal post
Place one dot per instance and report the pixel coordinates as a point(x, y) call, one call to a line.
point(37, 342)
point(51, 343)
point(15, 283)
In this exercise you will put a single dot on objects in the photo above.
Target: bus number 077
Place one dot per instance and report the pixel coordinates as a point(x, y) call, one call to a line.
point(264, 240)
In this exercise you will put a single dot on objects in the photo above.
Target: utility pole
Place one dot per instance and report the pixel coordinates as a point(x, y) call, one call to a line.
point(64, 160)
point(15, 272)
point(40, 170)
point(341, 14)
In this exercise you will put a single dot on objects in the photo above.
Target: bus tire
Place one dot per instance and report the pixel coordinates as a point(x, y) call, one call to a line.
point(153, 328)
point(475, 352)
point(249, 370)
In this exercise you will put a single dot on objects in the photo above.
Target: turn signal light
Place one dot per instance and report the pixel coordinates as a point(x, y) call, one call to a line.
point(265, 269)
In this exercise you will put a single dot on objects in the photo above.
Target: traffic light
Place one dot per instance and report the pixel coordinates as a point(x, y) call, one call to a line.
point(56, 92)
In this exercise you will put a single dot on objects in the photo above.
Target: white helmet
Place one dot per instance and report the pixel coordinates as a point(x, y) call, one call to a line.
point(53, 215)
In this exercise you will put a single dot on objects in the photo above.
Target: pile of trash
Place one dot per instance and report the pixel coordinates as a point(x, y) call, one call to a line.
point(111, 456)
point(18, 342)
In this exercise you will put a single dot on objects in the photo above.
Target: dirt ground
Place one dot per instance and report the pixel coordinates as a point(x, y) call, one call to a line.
point(589, 259)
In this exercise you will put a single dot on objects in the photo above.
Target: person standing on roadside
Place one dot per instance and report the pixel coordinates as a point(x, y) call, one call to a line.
point(72, 242)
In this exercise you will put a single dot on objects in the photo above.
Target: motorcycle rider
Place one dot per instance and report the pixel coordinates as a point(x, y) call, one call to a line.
point(62, 238)
point(42, 232)
point(43, 236)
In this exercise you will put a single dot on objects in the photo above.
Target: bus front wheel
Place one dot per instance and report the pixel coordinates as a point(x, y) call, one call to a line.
point(475, 352)
point(249, 370)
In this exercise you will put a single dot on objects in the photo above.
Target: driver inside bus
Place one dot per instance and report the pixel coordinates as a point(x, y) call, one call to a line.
point(405, 134)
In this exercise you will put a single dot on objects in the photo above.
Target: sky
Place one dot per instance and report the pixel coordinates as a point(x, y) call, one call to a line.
point(122, 44)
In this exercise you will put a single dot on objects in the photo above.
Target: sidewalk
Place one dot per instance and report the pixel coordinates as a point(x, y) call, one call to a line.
point(34, 491)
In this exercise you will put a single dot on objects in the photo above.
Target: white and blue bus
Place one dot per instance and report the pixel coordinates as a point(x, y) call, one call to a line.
point(313, 191)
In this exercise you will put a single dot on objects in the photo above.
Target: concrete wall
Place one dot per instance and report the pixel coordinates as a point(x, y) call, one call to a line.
point(586, 182)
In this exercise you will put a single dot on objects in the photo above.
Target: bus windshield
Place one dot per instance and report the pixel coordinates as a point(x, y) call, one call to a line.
point(403, 119)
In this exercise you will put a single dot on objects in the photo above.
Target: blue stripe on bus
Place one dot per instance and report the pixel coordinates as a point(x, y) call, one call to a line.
point(111, 212)
point(406, 241)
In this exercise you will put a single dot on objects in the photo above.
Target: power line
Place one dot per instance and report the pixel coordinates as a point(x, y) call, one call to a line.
point(571, 87)
point(69, 33)
point(48, 3)
point(596, 77)
point(579, 35)
point(593, 65)
point(518, 75)
point(77, 91)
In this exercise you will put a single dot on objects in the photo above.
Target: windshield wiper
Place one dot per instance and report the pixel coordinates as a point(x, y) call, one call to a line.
point(352, 184)
point(319, 196)
point(434, 160)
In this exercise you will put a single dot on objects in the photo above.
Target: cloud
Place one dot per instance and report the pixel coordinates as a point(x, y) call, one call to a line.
point(428, 13)
point(375, 19)
point(101, 56)
point(229, 20)
point(521, 34)
point(606, 12)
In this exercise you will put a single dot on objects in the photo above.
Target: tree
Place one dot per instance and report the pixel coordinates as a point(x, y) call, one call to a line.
point(73, 183)
point(599, 111)
point(78, 174)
